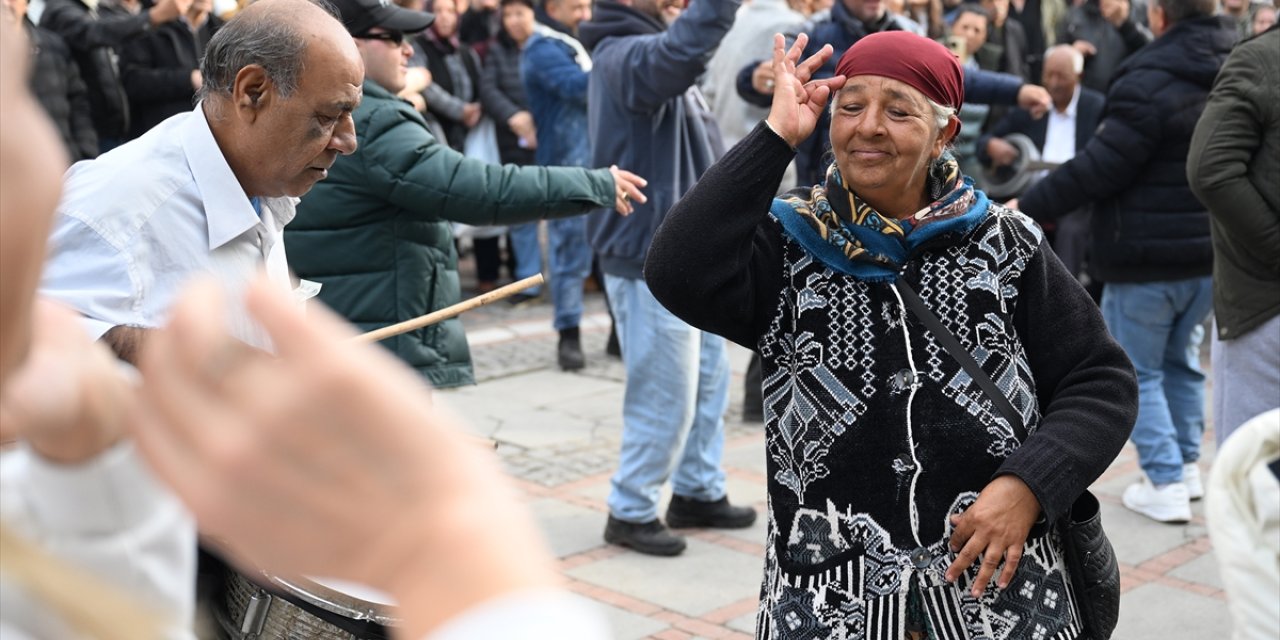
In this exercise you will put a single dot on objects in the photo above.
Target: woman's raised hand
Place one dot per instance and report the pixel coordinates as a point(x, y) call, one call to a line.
point(798, 101)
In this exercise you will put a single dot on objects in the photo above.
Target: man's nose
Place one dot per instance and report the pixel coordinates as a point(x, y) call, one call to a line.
point(344, 136)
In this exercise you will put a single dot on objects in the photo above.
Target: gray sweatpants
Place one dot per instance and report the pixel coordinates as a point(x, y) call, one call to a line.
point(1246, 377)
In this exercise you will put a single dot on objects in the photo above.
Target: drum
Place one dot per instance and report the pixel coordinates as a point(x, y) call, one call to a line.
point(265, 606)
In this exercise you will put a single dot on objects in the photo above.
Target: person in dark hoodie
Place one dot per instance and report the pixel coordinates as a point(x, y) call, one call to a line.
point(644, 111)
point(1151, 242)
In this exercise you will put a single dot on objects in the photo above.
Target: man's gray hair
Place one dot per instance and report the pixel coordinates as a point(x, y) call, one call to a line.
point(1179, 10)
point(269, 41)
point(1077, 58)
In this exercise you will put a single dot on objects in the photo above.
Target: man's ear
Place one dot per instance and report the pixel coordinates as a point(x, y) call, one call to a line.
point(252, 91)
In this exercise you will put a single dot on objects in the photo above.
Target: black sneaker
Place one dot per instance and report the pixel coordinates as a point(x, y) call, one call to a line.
point(523, 299)
point(650, 538)
point(613, 348)
point(569, 351)
point(686, 512)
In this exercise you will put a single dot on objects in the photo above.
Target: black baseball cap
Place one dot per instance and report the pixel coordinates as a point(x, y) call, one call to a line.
point(359, 16)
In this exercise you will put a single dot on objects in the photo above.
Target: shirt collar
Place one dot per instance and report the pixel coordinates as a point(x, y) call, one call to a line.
point(1071, 106)
point(227, 210)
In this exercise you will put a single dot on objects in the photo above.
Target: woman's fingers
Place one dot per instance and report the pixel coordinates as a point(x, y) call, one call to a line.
point(1012, 558)
point(990, 562)
point(806, 69)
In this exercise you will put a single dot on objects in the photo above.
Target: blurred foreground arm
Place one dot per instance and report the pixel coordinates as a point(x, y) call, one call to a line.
point(331, 460)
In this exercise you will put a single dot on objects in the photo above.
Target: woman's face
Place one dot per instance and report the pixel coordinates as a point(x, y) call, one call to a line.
point(884, 135)
point(446, 23)
point(517, 19)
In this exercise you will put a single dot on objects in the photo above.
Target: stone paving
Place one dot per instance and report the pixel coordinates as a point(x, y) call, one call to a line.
point(558, 435)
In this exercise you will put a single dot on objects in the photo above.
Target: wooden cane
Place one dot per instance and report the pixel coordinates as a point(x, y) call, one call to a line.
point(450, 311)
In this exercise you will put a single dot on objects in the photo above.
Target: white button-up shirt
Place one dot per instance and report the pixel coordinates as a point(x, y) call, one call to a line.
point(1060, 133)
point(138, 222)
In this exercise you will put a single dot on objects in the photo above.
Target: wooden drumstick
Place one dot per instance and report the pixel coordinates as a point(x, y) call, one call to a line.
point(449, 311)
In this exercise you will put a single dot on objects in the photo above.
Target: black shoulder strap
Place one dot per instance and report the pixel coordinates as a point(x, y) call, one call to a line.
point(961, 355)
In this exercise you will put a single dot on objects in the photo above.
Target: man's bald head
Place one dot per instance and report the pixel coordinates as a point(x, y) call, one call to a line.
point(1063, 65)
point(274, 35)
point(281, 81)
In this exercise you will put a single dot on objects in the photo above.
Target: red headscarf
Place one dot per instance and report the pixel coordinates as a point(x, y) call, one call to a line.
point(909, 58)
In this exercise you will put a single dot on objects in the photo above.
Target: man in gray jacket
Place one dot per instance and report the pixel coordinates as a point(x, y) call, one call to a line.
point(645, 112)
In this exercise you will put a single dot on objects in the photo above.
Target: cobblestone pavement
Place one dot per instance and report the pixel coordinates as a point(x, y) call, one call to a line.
point(558, 435)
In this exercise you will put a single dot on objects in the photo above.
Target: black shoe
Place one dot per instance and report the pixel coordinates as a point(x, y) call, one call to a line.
point(569, 352)
point(523, 299)
point(613, 348)
point(686, 512)
point(650, 538)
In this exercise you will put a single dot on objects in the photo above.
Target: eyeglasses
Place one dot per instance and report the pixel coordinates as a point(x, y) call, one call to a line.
point(394, 37)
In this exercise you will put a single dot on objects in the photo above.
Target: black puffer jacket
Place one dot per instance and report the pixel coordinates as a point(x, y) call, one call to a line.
point(156, 71)
point(1147, 224)
point(56, 83)
point(95, 39)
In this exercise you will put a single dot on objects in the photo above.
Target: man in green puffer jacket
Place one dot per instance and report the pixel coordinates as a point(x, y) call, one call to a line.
point(376, 233)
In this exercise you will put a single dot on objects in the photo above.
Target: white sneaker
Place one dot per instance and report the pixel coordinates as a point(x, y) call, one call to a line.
point(1191, 478)
point(1166, 503)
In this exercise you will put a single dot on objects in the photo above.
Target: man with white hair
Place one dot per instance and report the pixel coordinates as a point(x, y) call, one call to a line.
point(1067, 128)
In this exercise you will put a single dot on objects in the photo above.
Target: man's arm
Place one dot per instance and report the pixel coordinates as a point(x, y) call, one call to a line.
point(1229, 135)
point(1116, 154)
point(646, 71)
point(83, 32)
point(427, 178)
point(126, 342)
point(496, 103)
point(546, 64)
point(81, 116)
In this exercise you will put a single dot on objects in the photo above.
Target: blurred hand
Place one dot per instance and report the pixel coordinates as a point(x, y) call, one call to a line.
point(471, 114)
point(762, 78)
point(1115, 11)
point(1085, 48)
point(329, 460)
point(168, 10)
point(521, 124)
point(798, 101)
point(995, 528)
point(1002, 153)
point(626, 186)
point(419, 103)
point(1013, 204)
point(68, 400)
point(416, 80)
point(1036, 99)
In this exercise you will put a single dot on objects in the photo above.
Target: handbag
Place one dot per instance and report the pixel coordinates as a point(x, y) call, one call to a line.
point(1089, 557)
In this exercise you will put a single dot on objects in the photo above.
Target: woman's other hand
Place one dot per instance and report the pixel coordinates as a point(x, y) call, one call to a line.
point(798, 101)
point(994, 528)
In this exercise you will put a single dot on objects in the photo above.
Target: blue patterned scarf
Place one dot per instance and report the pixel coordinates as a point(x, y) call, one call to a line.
point(845, 233)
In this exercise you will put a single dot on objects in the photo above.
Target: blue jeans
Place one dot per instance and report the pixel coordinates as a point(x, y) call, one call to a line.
point(1159, 326)
point(570, 263)
point(677, 391)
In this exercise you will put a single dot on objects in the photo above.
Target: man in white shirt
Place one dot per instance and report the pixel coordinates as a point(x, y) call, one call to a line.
point(210, 190)
point(1067, 127)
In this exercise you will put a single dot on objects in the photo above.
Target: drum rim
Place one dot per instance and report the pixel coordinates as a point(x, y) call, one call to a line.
point(330, 600)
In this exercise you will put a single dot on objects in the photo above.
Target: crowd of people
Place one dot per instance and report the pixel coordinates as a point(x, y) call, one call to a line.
point(1079, 190)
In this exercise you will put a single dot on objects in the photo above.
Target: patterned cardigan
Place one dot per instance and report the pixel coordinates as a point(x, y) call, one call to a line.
point(874, 434)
